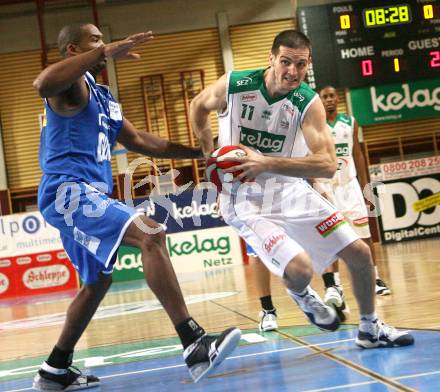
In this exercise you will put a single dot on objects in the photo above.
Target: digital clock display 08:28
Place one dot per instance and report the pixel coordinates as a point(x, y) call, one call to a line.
point(386, 16)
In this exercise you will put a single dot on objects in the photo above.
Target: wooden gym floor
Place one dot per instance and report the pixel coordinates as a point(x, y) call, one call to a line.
point(130, 316)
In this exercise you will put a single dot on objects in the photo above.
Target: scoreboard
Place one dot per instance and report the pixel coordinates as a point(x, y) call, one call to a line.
point(364, 43)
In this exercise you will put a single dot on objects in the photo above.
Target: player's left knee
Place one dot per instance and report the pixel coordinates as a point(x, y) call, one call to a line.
point(364, 249)
point(100, 287)
point(357, 253)
point(157, 238)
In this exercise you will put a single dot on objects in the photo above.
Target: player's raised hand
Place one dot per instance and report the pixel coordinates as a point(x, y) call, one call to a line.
point(121, 49)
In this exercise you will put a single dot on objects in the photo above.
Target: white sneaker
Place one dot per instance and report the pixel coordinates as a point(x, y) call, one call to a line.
point(379, 334)
point(319, 314)
point(334, 296)
point(268, 321)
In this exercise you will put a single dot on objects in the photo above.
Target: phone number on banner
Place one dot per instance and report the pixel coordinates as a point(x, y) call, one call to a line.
point(404, 169)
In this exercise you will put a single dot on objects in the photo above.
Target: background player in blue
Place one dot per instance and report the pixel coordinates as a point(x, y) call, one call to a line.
point(83, 123)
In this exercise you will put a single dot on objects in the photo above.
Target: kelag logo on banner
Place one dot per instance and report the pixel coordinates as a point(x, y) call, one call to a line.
point(189, 210)
point(396, 102)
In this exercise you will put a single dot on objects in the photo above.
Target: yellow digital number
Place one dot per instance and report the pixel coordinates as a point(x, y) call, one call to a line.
point(396, 65)
point(428, 11)
point(345, 22)
point(380, 16)
point(370, 19)
point(404, 13)
point(394, 15)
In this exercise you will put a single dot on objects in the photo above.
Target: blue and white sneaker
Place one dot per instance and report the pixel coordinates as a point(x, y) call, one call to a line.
point(319, 314)
point(209, 351)
point(379, 334)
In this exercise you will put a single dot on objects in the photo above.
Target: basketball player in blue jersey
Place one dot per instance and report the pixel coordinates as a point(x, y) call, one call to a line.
point(293, 229)
point(83, 123)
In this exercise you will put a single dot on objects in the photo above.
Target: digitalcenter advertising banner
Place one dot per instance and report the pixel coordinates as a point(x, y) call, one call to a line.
point(409, 195)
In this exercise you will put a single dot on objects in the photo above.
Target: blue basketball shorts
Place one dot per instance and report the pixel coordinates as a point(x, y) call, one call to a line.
point(91, 224)
point(250, 251)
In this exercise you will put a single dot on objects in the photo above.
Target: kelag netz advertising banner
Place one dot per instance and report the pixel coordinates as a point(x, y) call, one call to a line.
point(190, 248)
point(409, 198)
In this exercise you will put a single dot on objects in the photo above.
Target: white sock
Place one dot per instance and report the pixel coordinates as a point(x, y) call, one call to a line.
point(366, 320)
point(295, 294)
point(337, 278)
point(52, 370)
point(376, 271)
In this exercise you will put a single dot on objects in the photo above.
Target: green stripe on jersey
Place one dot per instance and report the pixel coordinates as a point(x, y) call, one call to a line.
point(253, 80)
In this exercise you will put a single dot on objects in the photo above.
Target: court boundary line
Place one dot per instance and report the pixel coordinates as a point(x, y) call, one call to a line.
point(297, 347)
point(352, 365)
point(183, 365)
point(344, 386)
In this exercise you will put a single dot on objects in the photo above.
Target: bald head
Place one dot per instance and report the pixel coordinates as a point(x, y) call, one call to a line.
point(70, 34)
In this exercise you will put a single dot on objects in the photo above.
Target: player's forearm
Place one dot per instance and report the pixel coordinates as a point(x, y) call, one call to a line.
point(58, 77)
point(179, 151)
point(162, 148)
point(311, 166)
point(362, 177)
point(206, 142)
point(201, 127)
point(361, 168)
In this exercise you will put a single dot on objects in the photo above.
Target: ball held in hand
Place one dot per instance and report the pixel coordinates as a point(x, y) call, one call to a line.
point(219, 161)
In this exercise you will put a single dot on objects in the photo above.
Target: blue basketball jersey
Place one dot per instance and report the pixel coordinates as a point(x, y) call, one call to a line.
point(80, 146)
point(75, 156)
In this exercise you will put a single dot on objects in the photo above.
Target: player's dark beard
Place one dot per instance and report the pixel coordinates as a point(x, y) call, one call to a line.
point(98, 68)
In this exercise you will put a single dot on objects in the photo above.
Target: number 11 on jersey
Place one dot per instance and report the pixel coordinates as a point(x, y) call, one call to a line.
point(247, 111)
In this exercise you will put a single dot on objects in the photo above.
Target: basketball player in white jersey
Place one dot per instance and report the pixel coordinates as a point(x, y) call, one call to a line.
point(344, 190)
point(290, 226)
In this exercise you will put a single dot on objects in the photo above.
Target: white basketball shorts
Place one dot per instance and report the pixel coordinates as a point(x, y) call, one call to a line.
point(282, 221)
point(349, 200)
